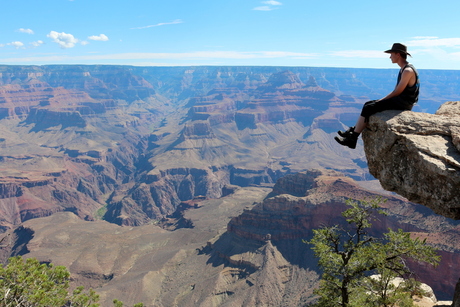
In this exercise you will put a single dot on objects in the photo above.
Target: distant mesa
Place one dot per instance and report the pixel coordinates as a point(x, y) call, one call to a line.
point(282, 98)
point(43, 118)
point(285, 80)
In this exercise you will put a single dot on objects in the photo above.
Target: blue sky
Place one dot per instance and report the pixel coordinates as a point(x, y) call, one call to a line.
point(328, 33)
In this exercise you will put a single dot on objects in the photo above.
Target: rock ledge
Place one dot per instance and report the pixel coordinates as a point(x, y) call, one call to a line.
point(417, 155)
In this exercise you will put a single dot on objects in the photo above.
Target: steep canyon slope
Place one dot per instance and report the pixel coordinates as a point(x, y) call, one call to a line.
point(244, 249)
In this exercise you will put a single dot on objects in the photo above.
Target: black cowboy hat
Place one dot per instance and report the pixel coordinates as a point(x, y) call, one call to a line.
point(399, 48)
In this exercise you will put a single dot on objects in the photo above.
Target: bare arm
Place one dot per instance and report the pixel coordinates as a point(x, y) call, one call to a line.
point(407, 75)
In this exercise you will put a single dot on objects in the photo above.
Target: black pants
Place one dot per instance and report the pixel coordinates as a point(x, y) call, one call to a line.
point(394, 103)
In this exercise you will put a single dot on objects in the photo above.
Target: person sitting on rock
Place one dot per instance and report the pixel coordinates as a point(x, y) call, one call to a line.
point(403, 97)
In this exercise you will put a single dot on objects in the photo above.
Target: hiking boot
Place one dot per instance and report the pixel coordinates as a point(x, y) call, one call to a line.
point(345, 133)
point(349, 140)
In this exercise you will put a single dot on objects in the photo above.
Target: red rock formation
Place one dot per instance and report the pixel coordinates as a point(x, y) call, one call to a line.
point(161, 194)
point(282, 98)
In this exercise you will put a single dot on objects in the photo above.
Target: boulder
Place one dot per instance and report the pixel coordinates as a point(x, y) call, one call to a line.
point(417, 156)
point(427, 299)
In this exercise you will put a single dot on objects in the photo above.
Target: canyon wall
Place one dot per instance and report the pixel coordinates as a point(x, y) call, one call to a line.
point(128, 144)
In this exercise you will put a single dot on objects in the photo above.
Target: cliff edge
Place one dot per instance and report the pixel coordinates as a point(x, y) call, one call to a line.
point(417, 155)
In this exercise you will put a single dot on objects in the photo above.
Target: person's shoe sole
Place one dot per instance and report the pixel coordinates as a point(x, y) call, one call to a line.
point(344, 143)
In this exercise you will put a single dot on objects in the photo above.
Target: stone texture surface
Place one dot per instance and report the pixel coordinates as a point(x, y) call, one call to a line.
point(417, 156)
point(428, 299)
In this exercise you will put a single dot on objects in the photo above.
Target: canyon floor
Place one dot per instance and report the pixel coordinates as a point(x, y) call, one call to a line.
point(146, 263)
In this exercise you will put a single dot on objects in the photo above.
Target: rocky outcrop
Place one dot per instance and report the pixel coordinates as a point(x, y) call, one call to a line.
point(417, 156)
point(43, 118)
point(161, 193)
point(427, 298)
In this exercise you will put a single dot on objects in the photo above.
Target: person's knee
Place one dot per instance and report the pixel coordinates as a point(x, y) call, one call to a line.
point(368, 110)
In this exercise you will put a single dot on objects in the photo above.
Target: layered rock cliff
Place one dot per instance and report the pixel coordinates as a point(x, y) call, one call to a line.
point(62, 147)
point(238, 134)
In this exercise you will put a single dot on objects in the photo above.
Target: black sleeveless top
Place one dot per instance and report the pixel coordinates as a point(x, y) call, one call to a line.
point(410, 93)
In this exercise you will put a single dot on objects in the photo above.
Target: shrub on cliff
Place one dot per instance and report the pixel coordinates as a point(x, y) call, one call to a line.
point(30, 283)
point(349, 256)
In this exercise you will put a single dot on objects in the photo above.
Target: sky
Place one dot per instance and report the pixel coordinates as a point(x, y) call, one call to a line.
point(306, 33)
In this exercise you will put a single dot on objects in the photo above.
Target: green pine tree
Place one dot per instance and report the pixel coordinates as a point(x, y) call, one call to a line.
point(349, 256)
point(30, 283)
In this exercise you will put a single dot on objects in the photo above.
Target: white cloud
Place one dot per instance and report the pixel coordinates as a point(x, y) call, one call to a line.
point(63, 39)
point(433, 41)
point(424, 37)
point(177, 21)
point(269, 7)
point(37, 43)
point(263, 8)
point(84, 43)
point(27, 31)
point(16, 44)
point(102, 38)
point(272, 2)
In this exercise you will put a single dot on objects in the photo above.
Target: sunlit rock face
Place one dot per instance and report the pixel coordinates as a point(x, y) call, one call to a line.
point(417, 156)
